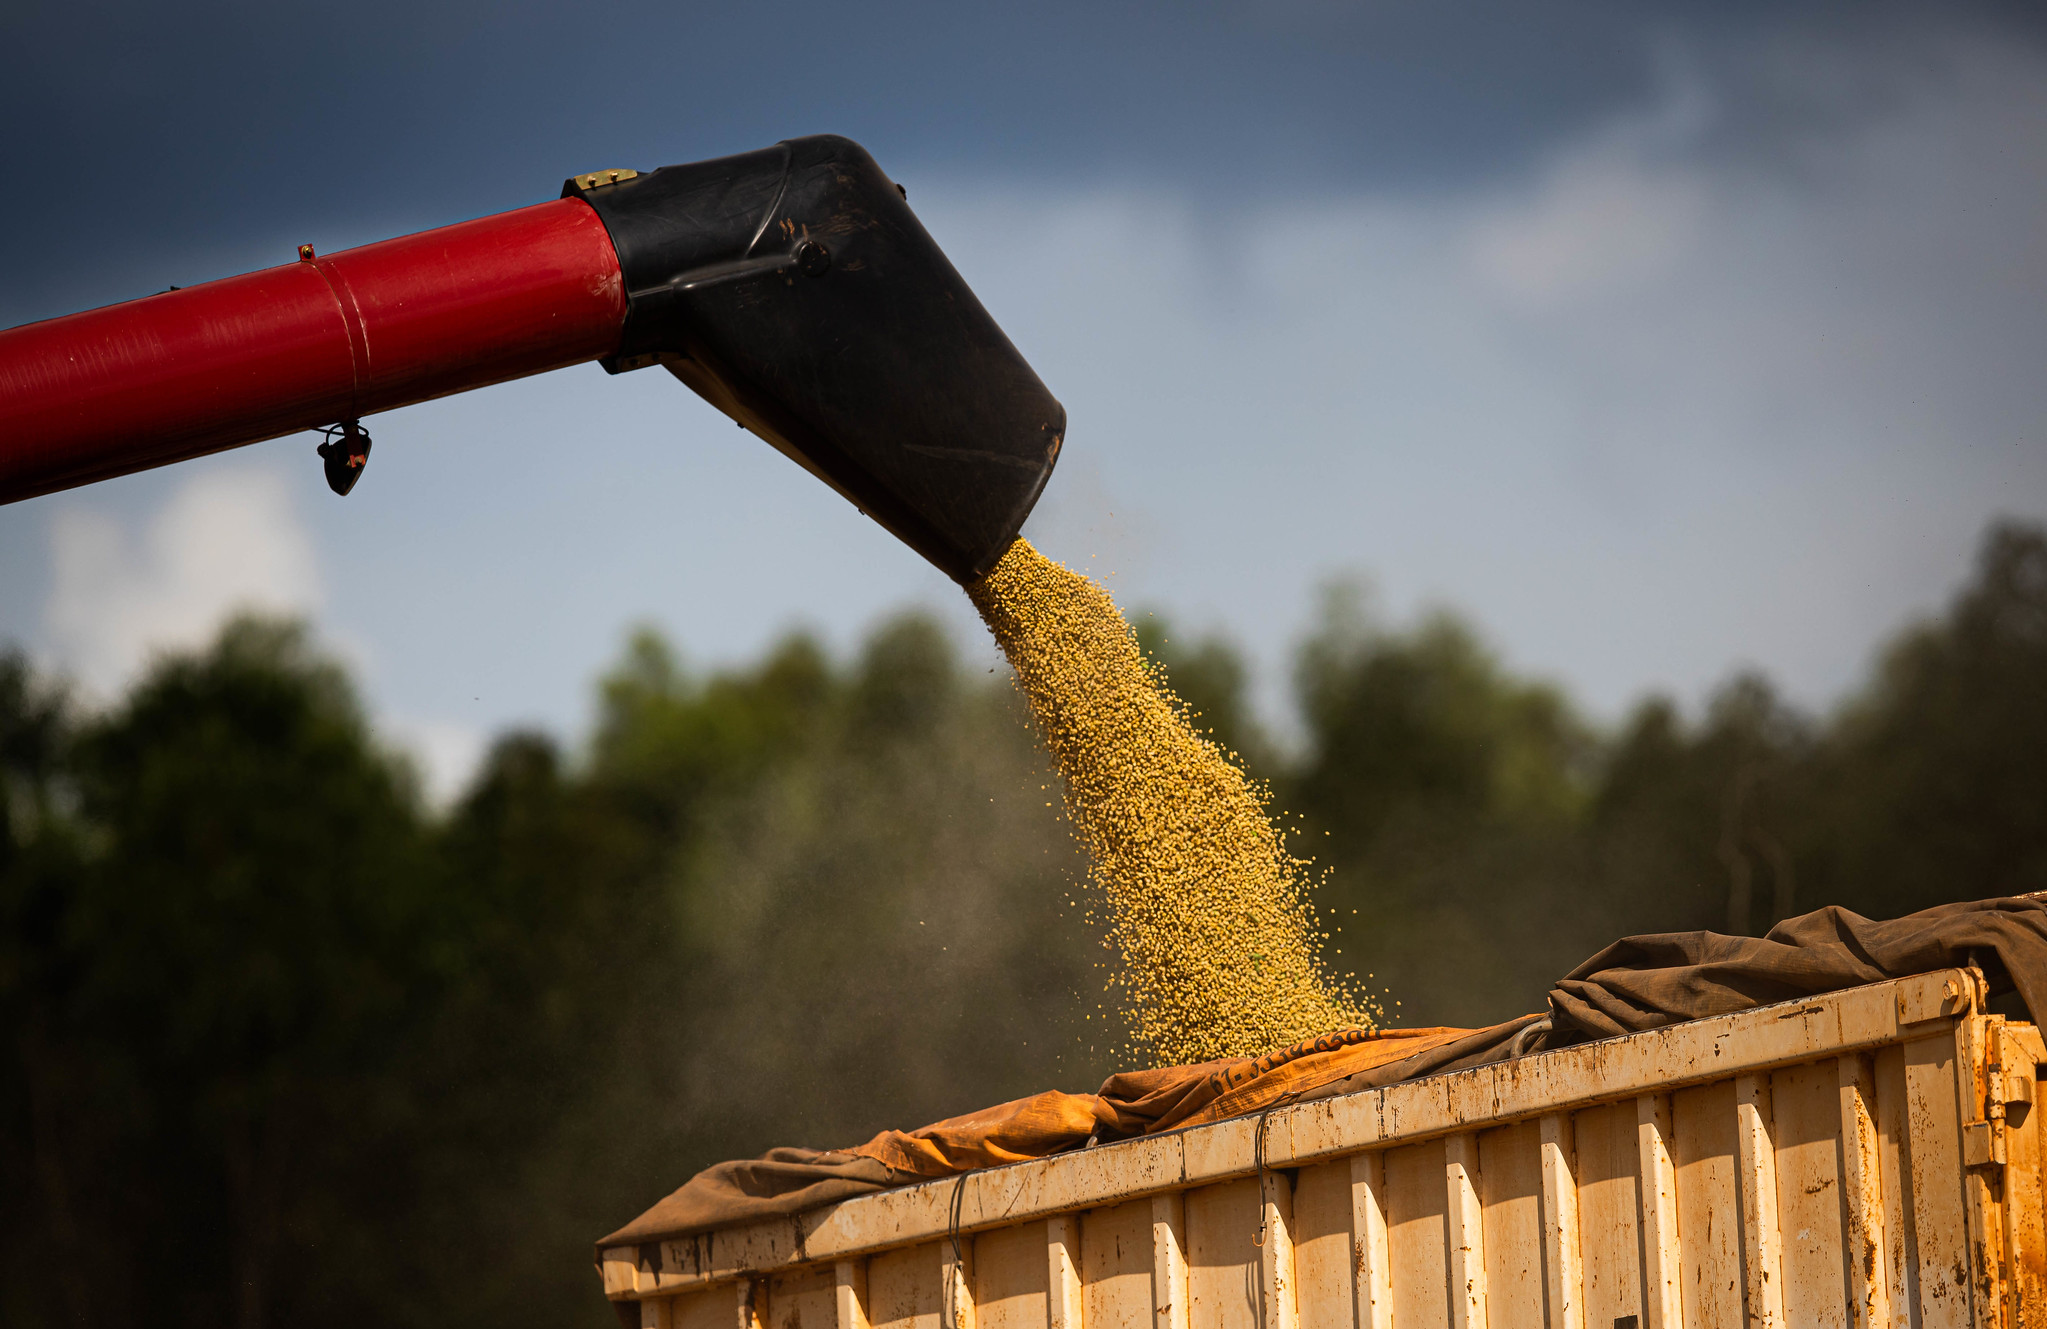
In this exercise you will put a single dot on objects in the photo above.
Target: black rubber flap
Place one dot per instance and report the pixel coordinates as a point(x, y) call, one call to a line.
point(794, 289)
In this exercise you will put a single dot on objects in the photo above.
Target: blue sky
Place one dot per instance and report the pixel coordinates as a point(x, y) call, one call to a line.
point(1661, 340)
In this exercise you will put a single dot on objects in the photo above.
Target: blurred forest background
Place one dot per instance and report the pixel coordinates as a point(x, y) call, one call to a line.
point(287, 1047)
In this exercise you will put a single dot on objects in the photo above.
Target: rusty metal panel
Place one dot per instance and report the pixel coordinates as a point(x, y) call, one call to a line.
point(1864, 1250)
point(1332, 1126)
point(1115, 1266)
point(1083, 1179)
point(903, 1288)
point(728, 1253)
point(1609, 1211)
point(849, 1302)
point(1894, 1160)
point(1012, 1283)
point(2025, 1219)
point(1324, 1258)
point(1806, 1123)
point(619, 1266)
point(1662, 1253)
point(956, 1284)
point(1169, 1301)
point(1466, 1219)
point(1510, 1188)
point(1562, 1248)
point(1418, 1236)
point(1276, 1291)
point(1761, 1238)
point(1418, 1107)
point(1229, 1149)
point(2025, 1206)
point(805, 1299)
point(1934, 1160)
point(1983, 1156)
point(709, 1309)
point(1222, 1262)
point(1370, 1242)
point(1708, 1207)
point(1062, 1274)
point(1923, 1002)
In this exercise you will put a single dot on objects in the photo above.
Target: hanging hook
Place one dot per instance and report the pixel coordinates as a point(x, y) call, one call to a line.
point(345, 453)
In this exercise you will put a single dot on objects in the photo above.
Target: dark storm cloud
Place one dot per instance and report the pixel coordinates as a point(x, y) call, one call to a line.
point(152, 144)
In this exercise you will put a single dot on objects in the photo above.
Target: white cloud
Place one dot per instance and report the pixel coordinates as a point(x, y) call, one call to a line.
point(447, 754)
point(1619, 210)
point(226, 539)
point(1600, 222)
point(1671, 405)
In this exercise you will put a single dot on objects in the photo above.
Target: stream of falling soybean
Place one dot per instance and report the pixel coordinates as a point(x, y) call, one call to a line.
point(1211, 917)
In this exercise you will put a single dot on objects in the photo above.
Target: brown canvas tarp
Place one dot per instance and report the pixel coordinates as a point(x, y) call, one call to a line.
point(1644, 982)
point(1635, 984)
point(788, 1181)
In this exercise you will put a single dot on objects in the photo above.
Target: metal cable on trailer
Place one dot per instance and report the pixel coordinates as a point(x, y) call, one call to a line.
point(1258, 1157)
point(948, 1306)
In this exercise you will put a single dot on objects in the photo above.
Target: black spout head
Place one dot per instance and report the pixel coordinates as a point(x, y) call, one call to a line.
point(794, 290)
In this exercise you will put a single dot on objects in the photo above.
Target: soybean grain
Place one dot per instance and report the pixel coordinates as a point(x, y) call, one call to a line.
point(1210, 915)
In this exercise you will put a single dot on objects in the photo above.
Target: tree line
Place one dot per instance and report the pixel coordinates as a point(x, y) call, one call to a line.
point(287, 1046)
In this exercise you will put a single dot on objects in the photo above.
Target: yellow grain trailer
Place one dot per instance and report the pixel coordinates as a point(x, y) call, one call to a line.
point(1865, 1159)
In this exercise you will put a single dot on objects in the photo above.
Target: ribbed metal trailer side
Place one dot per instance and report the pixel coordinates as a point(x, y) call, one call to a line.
point(1866, 1159)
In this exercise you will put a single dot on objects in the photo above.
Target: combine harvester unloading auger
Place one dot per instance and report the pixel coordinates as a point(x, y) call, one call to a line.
point(792, 288)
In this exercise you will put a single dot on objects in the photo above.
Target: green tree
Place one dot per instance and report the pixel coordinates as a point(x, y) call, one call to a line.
point(665, 739)
point(878, 923)
point(1443, 796)
point(1426, 726)
point(1702, 828)
point(1934, 783)
point(242, 955)
point(536, 1068)
point(46, 1248)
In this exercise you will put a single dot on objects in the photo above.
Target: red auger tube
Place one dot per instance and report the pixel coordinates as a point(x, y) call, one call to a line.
point(326, 339)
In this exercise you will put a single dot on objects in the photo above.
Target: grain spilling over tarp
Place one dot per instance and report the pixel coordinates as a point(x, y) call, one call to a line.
point(1219, 946)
